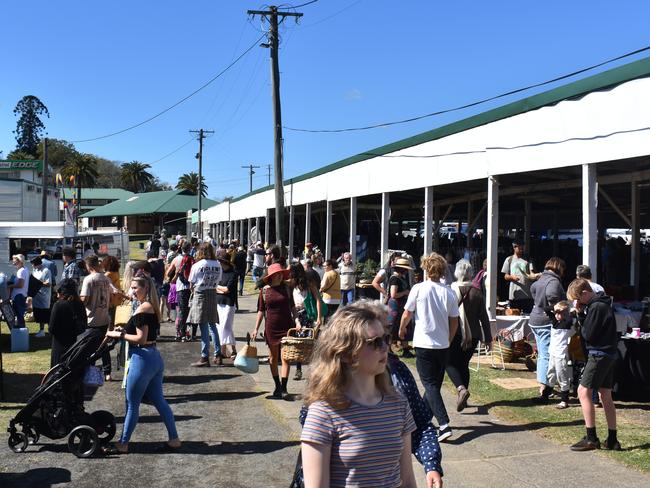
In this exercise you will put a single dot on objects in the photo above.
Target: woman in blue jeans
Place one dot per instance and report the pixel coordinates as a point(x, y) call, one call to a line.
point(145, 374)
point(547, 291)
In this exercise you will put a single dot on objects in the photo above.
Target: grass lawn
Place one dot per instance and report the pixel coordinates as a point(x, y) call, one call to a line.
point(23, 371)
point(563, 426)
point(135, 253)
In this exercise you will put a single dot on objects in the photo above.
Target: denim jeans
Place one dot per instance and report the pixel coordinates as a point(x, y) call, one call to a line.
point(208, 330)
point(543, 339)
point(430, 364)
point(257, 273)
point(242, 276)
point(19, 307)
point(347, 297)
point(145, 376)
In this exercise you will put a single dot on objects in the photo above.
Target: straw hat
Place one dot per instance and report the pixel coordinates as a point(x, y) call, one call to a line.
point(402, 263)
point(274, 269)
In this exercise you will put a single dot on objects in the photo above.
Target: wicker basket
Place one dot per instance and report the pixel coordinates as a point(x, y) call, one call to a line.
point(503, 348)
point(298, 349)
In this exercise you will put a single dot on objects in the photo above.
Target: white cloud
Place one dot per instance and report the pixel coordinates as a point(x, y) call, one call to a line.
point(353, 94)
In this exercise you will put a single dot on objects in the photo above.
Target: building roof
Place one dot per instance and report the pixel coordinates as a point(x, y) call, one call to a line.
point(105, 194)
point(156, 202)
point(576, 89)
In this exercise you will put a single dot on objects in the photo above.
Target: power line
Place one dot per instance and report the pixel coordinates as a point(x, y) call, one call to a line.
point(473, 104)
point(174, 151)
point(206, 84)
point(298, 6)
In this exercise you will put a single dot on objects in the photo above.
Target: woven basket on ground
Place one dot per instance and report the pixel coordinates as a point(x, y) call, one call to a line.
point(503, 348)
point(298, 349)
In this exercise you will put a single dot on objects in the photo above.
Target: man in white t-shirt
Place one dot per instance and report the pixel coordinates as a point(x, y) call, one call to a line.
point(19, 288)
point(584, 271)
point(435, 309)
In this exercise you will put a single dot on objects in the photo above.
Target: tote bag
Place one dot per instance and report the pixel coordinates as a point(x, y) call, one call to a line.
point(246, 359)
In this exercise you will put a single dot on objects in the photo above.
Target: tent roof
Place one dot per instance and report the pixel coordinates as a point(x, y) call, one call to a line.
point(105, 193)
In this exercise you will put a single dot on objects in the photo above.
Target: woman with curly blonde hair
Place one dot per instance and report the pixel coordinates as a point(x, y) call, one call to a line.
point(358, 429)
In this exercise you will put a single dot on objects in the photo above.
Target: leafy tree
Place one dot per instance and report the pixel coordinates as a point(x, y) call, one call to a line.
point(17, 154)
point(190, 182)
point(159, 185)
point(109, 173)
point(59, 152)
point(84, 170)
point(135, 177)
point(29, 126)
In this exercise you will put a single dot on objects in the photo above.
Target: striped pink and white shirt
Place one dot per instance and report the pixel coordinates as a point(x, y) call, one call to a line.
point(366, 441)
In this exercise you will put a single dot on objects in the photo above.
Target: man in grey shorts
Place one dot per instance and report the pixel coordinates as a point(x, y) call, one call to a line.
point(598, 331)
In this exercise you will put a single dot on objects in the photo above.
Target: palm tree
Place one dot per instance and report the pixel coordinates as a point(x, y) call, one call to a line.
point(190, 182)
point(135, 177)
point(84, 170)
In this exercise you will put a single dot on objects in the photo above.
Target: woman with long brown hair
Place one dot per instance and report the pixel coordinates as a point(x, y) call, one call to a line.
point(358, 429)
point(67, 320)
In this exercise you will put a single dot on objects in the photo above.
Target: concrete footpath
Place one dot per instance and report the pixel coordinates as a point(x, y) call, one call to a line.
point(484, 451)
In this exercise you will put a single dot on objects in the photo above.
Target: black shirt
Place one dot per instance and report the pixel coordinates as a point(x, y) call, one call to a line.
point(228, 279)
point(141, 319)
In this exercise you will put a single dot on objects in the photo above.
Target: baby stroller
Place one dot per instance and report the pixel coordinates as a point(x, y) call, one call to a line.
point(56, 408)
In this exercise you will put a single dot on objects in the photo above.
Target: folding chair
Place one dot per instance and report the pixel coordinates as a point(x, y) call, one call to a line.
point(481, 348)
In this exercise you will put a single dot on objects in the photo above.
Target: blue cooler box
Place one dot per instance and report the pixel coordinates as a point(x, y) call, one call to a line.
point(20, 339)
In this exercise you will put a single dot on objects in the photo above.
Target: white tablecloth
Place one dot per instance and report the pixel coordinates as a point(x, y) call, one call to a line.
point(517, 322)
point(626, 318)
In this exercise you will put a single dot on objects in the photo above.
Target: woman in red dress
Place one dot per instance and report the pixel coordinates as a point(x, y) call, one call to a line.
point(275, 306)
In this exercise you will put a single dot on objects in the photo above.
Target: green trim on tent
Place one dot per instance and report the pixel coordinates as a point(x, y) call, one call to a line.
point(600, 81)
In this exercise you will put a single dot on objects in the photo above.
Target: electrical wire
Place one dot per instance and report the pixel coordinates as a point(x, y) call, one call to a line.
point(299, 6)
point(206, 84)
point(472, 104)
point(331, 16)
point(174, 151)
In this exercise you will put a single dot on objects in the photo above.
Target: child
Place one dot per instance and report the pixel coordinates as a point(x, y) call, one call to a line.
point(559, 370)
point(599, 335)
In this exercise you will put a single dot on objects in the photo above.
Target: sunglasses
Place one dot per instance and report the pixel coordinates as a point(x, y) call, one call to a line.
point(379, 341)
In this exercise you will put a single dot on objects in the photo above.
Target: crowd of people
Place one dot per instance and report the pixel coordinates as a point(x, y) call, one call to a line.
point(363, 414)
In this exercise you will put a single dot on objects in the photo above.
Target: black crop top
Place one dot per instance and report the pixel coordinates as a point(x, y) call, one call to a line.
point(141, 319)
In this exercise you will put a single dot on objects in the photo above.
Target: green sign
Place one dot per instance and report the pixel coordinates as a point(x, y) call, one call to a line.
point(21, 164)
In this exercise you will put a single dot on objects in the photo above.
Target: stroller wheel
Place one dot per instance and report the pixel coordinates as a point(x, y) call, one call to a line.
point(83, 441)
point(104, 424)
point(32, 435)
point(18, 441)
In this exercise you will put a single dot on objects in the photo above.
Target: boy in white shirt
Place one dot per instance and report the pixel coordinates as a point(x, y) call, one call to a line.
point(559, 370)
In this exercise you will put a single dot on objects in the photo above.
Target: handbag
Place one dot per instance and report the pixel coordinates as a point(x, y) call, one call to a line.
point(311, 309)
point(246, 359)
point(34, 286)
point(93, 376)
point(122, 315)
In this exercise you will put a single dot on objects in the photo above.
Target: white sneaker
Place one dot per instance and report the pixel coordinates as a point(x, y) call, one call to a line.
point(444, 434)
point(40, 333)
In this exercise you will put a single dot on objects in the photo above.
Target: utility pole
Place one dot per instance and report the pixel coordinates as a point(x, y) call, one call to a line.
point(250, 174)
point(202, 134)
point(272, 15)
point(268, 171)
point(45, 171)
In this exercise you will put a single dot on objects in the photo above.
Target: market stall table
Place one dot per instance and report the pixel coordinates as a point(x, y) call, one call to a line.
point(505, 321)
point(633, 371)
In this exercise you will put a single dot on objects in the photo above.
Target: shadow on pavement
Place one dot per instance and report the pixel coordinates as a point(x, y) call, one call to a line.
point(36, 478)
point(212, 396)
point(154, 419)
point(486, 428)
point(198, 447)
point(197, 379)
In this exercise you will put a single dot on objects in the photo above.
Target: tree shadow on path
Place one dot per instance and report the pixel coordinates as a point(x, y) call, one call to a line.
point(197, 379)
point(487, 428)
point(36, 478)
point(212, 396)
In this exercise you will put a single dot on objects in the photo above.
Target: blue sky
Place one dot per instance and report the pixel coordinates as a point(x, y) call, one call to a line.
point(103, 66)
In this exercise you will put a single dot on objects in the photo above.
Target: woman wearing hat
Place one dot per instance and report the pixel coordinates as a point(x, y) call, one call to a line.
point(226, 305)
point(67, 320)
point(275, 305)
point(398, 291)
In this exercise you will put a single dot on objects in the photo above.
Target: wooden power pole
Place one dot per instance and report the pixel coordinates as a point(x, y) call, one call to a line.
point(272, 15)
point(201, 134)
point(251, 172)
point(45, 177)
